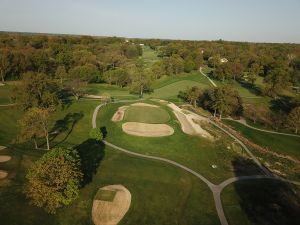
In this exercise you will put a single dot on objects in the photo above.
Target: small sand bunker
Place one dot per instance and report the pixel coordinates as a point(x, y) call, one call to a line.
point(110, 205)
point(144, 104)
point(2, 147)
point(119, 115)
point(147, 130)
point(3, 174)
point(4, 158)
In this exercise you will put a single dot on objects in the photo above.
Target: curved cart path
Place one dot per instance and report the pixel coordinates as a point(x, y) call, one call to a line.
point(210, 80)
point(266, 131)
point(216, 189)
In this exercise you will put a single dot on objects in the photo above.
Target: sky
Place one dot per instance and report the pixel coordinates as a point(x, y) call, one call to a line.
point(234, 20)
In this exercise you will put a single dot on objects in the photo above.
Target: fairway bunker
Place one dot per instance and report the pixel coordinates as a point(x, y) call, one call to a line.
point(147, 130)
point(5, 158)
point(110, 205)
point(3, 174)
point(119, 115)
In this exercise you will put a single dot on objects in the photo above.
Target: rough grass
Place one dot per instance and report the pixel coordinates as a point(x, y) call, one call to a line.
point(5, 94)
point(276, 142)
point(145, 114)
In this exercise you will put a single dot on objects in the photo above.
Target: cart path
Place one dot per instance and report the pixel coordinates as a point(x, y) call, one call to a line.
point(216, 189)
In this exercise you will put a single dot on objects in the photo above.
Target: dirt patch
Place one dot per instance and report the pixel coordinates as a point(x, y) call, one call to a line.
point(111, 211)
point(144, 104)
point(119, 115)
point(2, 147)
point(147, 130)
point(4, 158)
point(3, 174)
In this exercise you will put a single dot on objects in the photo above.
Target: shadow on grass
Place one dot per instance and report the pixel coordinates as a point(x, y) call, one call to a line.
point(91, 153)
point(66, 124)
point(251, 87)
point(267, 202)
point(283, 103)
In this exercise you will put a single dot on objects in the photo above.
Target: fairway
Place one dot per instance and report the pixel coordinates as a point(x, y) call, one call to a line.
point(146, 114)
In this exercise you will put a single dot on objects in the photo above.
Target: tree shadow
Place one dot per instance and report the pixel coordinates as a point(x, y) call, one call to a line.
point(251, 87)
point(91, 153)
point(265, 201)
point(283, 103)
point(66, 124)
point(104, 131)
point(65, 97)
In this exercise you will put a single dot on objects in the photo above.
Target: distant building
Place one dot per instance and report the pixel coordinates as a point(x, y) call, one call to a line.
point(126, 40)
point(142, 45)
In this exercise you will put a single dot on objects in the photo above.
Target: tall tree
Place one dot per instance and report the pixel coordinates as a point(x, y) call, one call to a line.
point(5, 63)
point(294, 119)
point(54, 180)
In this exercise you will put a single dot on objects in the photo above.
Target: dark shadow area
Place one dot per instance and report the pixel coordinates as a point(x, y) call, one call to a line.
point(65, 97)
point(265, 201)
point(66, 124)
point(104, 131)
point(251, 87)
point(91, 153)
point(283, 103)
point(245, 167)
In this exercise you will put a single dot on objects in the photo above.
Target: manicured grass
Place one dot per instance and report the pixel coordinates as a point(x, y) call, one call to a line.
point(149, 56)
point(261, 202)
point(105, 195)
point(5, 94)
point(145, 114)
point(195, 152)
point(279, 143)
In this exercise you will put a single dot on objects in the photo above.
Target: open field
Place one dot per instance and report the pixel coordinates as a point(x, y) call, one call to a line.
point(5, 94)
point(279, 143)
point(261, 202)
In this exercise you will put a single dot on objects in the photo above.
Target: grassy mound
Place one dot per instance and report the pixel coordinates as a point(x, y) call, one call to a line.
point(144, 114)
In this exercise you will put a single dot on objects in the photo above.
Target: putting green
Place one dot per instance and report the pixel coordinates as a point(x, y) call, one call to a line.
point(145, 114)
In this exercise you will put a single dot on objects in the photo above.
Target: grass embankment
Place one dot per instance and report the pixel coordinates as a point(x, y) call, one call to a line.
point(261, 202)
point(276, 142)
point(195, 152)
point(146, 114)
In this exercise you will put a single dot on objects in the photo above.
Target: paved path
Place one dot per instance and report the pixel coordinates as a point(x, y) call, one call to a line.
point(216, 189)
point(210, 80)
point(266, 131)
point(6, 105)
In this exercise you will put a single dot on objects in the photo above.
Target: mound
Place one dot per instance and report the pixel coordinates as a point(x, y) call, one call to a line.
point(147, 130)
point(4, 158)
point(144, 104)
point(3, 174)
point(119, 115)
point(110, 205)
point(145, 114)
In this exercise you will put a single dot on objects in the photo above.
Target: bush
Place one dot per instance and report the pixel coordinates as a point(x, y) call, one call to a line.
point(96, 134)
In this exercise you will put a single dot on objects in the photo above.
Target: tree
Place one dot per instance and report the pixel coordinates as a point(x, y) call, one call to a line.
point(193, 95)
point(54, 180)
point(5, 63)
point(34, 124)
point(158, 69)
point(37, 90)
point(96, 134)
point(61, 73)
point(254, 70)
point(276, 80)
point(293, 119)
point(189, 66)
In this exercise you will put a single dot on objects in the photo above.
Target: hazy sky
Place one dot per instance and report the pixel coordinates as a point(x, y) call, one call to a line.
point(244, 20)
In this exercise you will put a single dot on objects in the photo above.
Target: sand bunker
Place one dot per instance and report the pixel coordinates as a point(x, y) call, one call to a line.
point(119, 115)
point(4, 158)
point(188, 122)
point(110, 208)
point(144, 104)
point(3, 174)
point(2, 147)
point(147, 130)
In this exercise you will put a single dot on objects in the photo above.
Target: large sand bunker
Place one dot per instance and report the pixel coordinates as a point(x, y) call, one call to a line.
point(2, 147)
point(110, 205)
point(144, 104)
point(4, 158)
point(119, 115)
point(188, 122)
point(3, 174)
point(147, 130)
